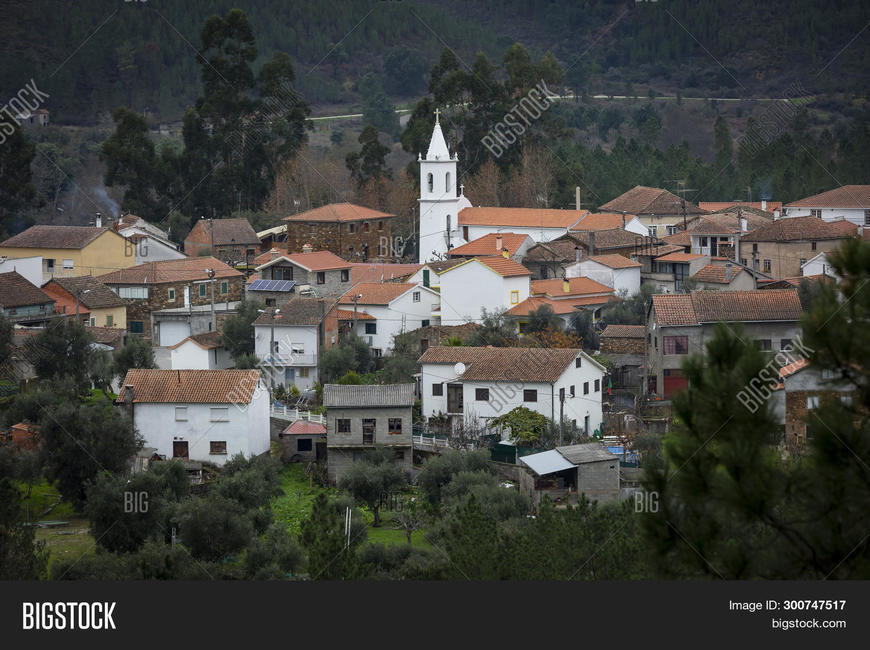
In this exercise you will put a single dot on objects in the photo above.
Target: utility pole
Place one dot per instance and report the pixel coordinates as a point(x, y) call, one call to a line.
point(211, 274)
point(355, 298)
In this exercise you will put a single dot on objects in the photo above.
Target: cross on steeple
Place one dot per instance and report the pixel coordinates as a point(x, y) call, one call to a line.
point(437, 113)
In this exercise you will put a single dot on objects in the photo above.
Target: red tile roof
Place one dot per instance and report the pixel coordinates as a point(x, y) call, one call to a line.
point(716, 206)
point(847, 196)
point(262, 258)
point(304, 427)
point(503, 266)
point(227, 232)
point(339, 212)
point(313, 261)
point(347, 314)
point(729, 306)
point(523, 217)
point(376, 293)
point(603, 221)
point(206, 341)
point(533, 303)
point(615, 261)
point(682, 238)
point(504, 364)
point(624, 332)
point(183, 270)
point(555, 287)
point(17, 291)
point(488, 245)
point(641, 200)
point(801, 229)
point(715, 273)
point(191, 386)
point(794, 367)
point(380, 272)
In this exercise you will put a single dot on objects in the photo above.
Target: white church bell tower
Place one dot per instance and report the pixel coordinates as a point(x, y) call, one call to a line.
point(439, 202)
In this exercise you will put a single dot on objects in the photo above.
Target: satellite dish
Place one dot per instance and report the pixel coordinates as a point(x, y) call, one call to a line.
point(459, 368)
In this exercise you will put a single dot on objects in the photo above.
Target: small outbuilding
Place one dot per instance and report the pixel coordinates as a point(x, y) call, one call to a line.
point(566, 472)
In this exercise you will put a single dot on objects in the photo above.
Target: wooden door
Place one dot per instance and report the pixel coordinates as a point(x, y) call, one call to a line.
point(179, 449)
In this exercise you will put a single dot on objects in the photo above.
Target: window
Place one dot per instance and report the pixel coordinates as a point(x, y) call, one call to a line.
point(345, 275)
point(342, 425)
point(312, 228)
point(416, 296)
point(202, 290)
point(703, 242)
point(365, 226)
point(394, 426)
point(430, 182)
point(218, 447)
point(812, 401)
point(561, 394)
point(380, 225)
point(67, 265)
point(371, 328)
point(763, 344)
point(816, 213)
point(368, 431)
point(571, 390)
point(225, 287)
point(675, 344)
point(743, 261)
point(803, 261)
point(585, 387)
point(671, 230)
point(110, 321)
point(597, 385)
point(425, 277)
point(531, 395)
point(577, 362)
point(181, 414)
point(377, 352)
point(437, 390)
point(515, 297)
point(481, 394)
point(754, 248)
point(447, 182)
point(303, 372)
point(350, 250)
point(351, 228)
point(767, 266)
point(140, 293)
point(321, 277)
point(652, 231)
point(656, 342)
point(424, 322)
point(219, 414)
point(282, 272)
point(813, 245)
point(93, 322)
point(846, 400)
point(171, 293)
point(49, 264)
point(137, 327)
point(867, 217)
point(303, 445)
point(785, 344)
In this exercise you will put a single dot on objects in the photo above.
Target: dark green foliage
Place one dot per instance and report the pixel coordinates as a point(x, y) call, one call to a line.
point(80, 441)
point(581, 323)
point(274, 556)
point(542, 318)
point(402, 562)
point(369, 163)
point(439, 470)
point(526, 425)
point(473, 544)
point(213, 528)
point(136, 353)
point(495, 329)
point(21, 556)
point(324, 538)
point(405, 70)
point(372, 479)
point(238, 330)
point(352, 353)
point(16, 189)
point(629, 310)
point(62, 352)
point(5, 340)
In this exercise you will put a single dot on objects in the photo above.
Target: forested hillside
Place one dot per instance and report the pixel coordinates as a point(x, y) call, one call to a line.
point(92, 57)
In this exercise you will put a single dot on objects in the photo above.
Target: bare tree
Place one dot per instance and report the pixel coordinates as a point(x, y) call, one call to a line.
point(484, 187)
point(409, 518)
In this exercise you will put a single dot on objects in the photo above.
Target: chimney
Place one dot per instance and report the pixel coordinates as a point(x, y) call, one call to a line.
point(498, 240)
point(566, 286)
point(307, 248)
point(578, 253)
point(764, 204)
point(860, 231)
point(591, 243)
point(744, 225)
point(179, 376)
point(577, 197)
point(274, 254)
point(727, 271)
point(98, 221)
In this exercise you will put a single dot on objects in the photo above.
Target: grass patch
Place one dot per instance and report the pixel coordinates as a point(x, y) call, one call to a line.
point(294, 506)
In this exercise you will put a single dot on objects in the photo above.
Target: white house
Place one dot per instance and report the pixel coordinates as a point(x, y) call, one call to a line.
point(149, 243)
point(390, 308)
point(496, 243)
point(818, 265)
point(199, 415)
point(541, 224)
point(593, 222)
point(615, 271)
point(429, 274)
point(483, 383)
point(849, 202)
point(287, 340)
point(30, 268)
point(200, 352)
point(492, 283)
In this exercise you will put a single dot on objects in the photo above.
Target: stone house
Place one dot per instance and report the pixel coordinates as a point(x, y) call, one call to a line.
point(588, 468)
point(230, 240)
point(360, 418)
point(678, 325)
point(352, 232)
point(96, 304)
point(849, 202)
point(661, 211)
point(623, 345)
point(184, 284)
point(304, 441)
point(319, 272)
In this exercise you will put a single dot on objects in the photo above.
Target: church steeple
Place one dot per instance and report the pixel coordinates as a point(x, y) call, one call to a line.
point(437, 145)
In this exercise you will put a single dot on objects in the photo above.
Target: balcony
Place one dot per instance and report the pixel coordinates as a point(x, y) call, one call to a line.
point(289, 359)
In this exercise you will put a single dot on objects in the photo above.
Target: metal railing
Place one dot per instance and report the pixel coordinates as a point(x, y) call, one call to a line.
point(286, 413)
point(424, 441)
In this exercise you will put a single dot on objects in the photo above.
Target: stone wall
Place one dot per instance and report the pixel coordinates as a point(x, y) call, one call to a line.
point(335, 237)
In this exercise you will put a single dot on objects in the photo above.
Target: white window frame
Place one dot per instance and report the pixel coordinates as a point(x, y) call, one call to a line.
point(812, 402)
point(181, 414)
point(68, 265)
point(219, 414)
point(416, 296)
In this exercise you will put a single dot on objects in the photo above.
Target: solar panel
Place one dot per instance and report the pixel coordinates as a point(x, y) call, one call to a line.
point(271, 285)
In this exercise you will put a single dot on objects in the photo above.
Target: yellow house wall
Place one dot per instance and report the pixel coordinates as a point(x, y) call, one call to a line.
point(118, 314)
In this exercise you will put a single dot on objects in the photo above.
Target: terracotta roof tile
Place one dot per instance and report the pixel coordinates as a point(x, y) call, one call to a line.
point(533, 303)
point(554, 287)
point(313, 261)
point(98, 294)
point(504, 364)
point(503, 266)
point(615, 261)
point(227, 232)
point(624, 332)
point(847, 196)
point(206, 340)
point(729, 306)
point(674, 309)
point(347, 314)
point(715, 273)
point(605, 239)
point(602, 221)
point(718, 206)
point(300, 311)
point(487, 245)
point(339, 212)
point(191, 386)
point(682, 238)
point(524, 217)
point(380, 272)
point(641, 200)
point(56, 237)
point(801, 229)
point(376, 293)
point(792, 368)
point(183, 270)
point(17, 291)
point(305, 427)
